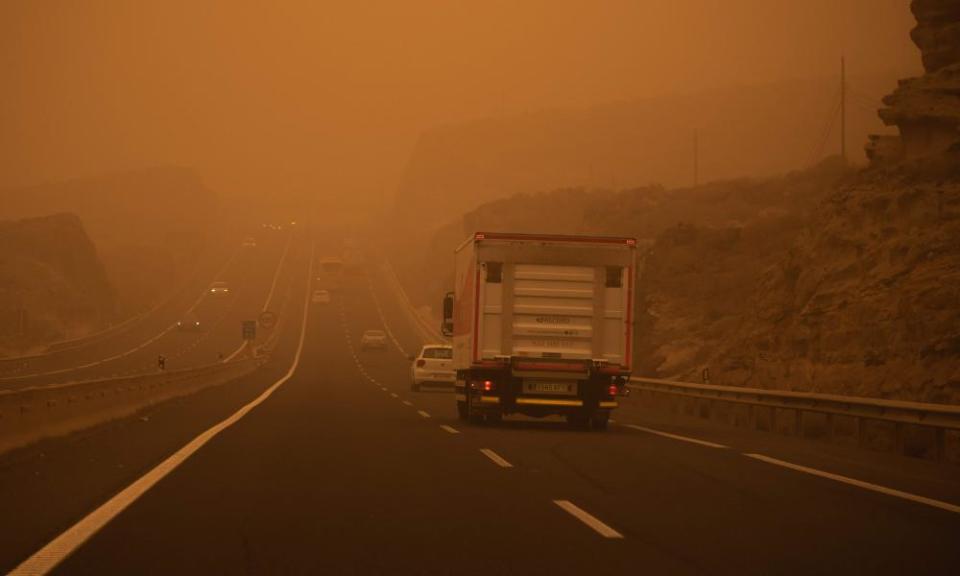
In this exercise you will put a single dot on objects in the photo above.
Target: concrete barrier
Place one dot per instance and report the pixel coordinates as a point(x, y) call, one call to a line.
point(31, 414)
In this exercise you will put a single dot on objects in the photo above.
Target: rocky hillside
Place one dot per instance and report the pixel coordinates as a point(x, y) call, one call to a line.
point(865, 302)
point(52, 283)
point(148, 225)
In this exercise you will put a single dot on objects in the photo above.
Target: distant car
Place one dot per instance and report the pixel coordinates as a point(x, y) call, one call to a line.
point(219, 289)
point(320, 297)
point(373, 339)
point(189, 323)
point(249, 242)
point(433, 366)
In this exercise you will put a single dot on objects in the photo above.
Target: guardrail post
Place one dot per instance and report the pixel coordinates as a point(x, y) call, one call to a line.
point(940, 444)
point(898, 438)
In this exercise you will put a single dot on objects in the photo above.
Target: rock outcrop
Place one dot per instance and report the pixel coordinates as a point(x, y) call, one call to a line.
point(148, 225)
point(52, 283)
point(865, 302)
point(926, 110)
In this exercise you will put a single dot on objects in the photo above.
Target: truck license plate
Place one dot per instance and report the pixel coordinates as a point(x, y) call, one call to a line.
point(549, 387)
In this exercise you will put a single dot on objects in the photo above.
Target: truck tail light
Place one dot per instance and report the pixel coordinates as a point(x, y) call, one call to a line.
point(488, 385)
point(612, 390)
point(421, 363)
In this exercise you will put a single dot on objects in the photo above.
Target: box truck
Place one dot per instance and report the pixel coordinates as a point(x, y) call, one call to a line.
point(541, 325)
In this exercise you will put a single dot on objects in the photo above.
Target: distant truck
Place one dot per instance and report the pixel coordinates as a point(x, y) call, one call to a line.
point(329, 274)
point(541, 325)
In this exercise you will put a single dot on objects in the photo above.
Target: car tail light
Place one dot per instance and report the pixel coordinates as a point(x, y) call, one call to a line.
point(612, 390)
point(487, 385)
point(421, 363)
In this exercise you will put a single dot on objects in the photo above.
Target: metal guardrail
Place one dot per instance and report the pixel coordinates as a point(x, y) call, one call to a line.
point(938, 417)
point(428, 332)
point(30, 414)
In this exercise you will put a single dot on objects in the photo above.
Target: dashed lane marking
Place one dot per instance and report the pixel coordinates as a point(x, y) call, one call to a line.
point(589, 519)
point(424, 414)
point(450, 429)
point(675, 436)
point(496, 458)
point(393, 395)
point(859, 483)
point(408, 403)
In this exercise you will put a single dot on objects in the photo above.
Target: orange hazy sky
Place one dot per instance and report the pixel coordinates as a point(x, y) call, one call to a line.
point(330, 96)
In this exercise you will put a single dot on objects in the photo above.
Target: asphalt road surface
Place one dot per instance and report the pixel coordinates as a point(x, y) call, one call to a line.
point(341, 469)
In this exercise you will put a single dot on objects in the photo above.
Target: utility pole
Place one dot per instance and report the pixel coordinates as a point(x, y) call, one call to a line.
point(696, 158)
point(843, 109)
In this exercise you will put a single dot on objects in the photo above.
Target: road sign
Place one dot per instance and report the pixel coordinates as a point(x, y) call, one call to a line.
point(267, 320)
point(249, 329)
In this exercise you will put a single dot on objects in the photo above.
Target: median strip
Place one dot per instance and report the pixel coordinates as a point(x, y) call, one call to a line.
point(48, 557)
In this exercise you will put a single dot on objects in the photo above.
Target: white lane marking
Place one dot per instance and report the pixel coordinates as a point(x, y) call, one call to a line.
point(408, 403)
point(393, 395)
point(424, 414)
point(48, 557)
point(588, 519)
point(450, 429)
point(675, 436)
point(276, 274)
point(383, 320)
point(497, 459)
point(859, 483)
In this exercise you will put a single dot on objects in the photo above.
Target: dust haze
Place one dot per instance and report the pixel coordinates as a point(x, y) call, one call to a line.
point(329, 98)
point(480, 287)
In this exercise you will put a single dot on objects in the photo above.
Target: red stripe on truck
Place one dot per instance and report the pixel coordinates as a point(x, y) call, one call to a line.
point(476, 317)
point(556, 238)
point(628, 353)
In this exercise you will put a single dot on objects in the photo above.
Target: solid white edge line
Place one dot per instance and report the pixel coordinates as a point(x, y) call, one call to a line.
point(496, 458)
point(48, 557)
point(675, 436)
point(450, 429)
point(590, 520)
point(859, 483)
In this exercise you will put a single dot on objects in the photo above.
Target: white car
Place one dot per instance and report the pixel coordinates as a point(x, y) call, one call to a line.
point(373, 339)
point(320, 297)
point(433, 366)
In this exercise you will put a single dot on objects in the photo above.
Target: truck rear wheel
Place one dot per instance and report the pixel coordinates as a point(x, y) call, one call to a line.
point(474, 416)
point(494, 417)
point(461, 410)
point(578, 420)
point(600, 420)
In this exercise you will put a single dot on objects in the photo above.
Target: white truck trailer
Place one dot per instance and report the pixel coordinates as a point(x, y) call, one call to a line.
point(541, 325)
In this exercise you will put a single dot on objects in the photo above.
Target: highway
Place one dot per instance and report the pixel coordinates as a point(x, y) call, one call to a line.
point(324, 461)
point(251, 273)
